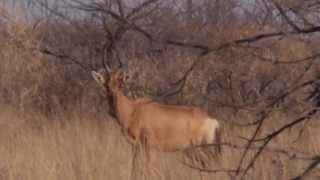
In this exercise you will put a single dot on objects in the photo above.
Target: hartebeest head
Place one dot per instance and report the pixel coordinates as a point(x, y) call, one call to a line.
point(109, 81)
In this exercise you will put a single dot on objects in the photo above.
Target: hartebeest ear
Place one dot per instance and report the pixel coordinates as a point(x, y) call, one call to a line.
point(125, 76)
point(98, 77)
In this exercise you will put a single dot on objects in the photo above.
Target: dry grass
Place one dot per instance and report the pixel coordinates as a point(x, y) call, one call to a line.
point(86, 146)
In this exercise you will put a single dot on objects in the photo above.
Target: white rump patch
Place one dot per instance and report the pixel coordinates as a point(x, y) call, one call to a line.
point(209, 128)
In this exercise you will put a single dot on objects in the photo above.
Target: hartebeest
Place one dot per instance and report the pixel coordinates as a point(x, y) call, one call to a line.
point(166, 127)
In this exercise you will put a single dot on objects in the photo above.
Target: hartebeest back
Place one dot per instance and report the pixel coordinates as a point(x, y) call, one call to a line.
point(167, 127)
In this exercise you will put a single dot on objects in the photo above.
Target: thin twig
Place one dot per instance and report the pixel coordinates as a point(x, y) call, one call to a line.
point(312, 166)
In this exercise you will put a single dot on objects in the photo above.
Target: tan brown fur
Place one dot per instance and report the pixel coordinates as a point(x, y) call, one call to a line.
point(165, 127)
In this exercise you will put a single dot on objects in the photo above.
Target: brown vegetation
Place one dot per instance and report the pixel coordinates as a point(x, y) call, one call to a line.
point(260, 80)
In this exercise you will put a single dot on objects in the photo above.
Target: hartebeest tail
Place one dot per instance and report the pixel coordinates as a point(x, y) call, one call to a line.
point(166, 127)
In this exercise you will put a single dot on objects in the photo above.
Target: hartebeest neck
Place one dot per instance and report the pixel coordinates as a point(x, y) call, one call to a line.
point(123, 107)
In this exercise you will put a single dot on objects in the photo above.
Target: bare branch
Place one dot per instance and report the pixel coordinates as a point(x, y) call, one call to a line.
point(271, 136)
point(120, 7)
point(67, 57)
point(222, 170)
point(312, 166)
point(287, 126)
point(284, 15)
point(263, 116)
point(261, 121)
point(140, 7)
point(291, 154)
